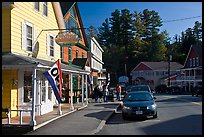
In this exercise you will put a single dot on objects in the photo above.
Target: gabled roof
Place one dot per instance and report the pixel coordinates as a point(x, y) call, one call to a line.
point(198, 51)
point(161, 65)
point(66, 6)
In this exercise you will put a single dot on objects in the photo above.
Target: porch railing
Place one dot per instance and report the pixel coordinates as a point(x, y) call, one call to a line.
point(8, 113)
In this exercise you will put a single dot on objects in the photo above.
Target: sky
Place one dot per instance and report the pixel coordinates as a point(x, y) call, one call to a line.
point(95, 13)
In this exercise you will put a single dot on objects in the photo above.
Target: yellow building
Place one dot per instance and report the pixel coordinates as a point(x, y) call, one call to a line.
point(28, 48)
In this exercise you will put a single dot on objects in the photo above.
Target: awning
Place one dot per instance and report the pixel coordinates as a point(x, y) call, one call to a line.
point(10, 60)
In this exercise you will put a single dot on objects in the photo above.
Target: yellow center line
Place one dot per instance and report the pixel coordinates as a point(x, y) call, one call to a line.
point(184, 100)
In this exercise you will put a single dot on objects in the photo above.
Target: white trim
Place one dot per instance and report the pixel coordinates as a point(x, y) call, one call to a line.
point(188, 55)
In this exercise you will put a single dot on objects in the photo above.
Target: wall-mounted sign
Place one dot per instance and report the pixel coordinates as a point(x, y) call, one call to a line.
point(66, 38)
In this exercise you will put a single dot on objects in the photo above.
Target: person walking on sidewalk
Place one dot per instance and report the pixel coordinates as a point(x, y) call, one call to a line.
point(106, 92)
point(100, 95)
point(96, 93)
point(118, 90)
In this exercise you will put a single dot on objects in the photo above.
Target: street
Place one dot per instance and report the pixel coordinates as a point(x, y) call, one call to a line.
point(177, 115)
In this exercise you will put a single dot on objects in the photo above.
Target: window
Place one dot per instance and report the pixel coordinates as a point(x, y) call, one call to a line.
point(61, 52)
point(82, 55)
point(77, 53)
point(28, 35)
point(49, 92)
point(50, 45)
point(43, 86)
point(193, 61)
point(73, 12)
point(197, 61)
point(70, 54)
point(45, 9)
point(27, 86)
point(37, 6)
point(72, 24)
point(190, 60)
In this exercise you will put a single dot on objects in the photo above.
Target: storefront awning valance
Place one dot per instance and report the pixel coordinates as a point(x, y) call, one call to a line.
point(10, 60)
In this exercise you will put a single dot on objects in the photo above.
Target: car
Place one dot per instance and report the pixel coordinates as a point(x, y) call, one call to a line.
point(139, 104)
point(175, 90)
point(161, 88)
point(197, 90)
point(128, 89)
point(141, 88)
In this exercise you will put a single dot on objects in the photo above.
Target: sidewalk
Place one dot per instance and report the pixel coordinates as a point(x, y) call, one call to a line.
point(91, 107)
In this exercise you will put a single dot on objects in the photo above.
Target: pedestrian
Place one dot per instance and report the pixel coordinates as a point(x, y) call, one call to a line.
point(118, 90)
point(100, 95)
point(104, 90)
point(96, 93)
point(106, 93)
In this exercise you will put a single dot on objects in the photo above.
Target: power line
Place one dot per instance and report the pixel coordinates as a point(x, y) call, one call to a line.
point(181, 19)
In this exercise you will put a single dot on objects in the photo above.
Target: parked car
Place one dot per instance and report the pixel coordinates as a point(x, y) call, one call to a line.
point(197, 90)
point(175, 90)
point(161, 88)
point(141, 88)
point(128, 89)
point(139, 104)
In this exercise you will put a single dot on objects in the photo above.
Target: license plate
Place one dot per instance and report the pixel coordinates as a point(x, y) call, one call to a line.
point(139, 112)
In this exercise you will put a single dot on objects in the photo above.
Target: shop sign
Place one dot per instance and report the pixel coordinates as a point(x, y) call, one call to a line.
point(66, 38)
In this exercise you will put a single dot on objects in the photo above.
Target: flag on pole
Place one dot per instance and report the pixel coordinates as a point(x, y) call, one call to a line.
point(54, 76)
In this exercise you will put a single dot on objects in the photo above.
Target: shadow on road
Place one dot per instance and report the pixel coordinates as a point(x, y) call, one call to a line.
point(99, 115)
point(112, 105)
point(188, 125)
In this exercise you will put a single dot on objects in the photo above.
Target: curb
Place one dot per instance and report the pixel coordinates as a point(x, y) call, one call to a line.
point(103, 122)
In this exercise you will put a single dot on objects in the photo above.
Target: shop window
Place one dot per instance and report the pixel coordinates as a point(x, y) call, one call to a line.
point(27, 86)
point(49, 92)
point(43, 89)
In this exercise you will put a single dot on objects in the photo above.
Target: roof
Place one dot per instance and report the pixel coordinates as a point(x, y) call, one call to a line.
point(80, 62)
point(14, 59)
point(198, 51)
point(161, 65)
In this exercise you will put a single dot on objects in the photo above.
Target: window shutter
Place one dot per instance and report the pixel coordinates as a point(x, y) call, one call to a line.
point(48, 44)
point(24, 47)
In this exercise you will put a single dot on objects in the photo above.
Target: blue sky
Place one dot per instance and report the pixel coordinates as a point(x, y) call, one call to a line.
point(95, 13)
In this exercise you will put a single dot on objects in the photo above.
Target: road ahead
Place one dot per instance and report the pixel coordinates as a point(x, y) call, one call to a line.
point(177, 115)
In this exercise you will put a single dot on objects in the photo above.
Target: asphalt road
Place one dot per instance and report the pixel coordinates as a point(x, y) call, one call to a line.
point(177, 115)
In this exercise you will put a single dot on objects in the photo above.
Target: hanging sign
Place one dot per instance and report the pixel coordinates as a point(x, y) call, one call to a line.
point(66, 38)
